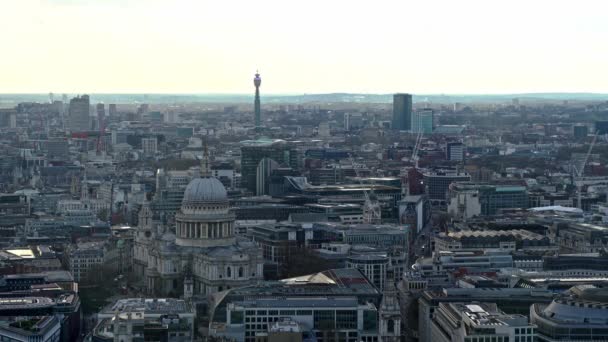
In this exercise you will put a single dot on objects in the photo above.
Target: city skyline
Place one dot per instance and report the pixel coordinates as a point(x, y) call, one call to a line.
point(185, 46)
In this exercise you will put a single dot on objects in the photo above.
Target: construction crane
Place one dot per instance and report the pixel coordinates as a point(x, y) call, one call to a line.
point(416, 149)
point(372, 212)
point(414, 157)
point(579, 172)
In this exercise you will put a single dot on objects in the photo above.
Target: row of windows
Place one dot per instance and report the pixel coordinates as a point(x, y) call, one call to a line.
point(524, 331)
point(488, 339)
point(323, 319)
point(525, 338)
point(278, 312)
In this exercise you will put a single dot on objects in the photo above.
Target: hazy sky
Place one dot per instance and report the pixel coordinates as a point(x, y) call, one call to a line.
point(311, 46)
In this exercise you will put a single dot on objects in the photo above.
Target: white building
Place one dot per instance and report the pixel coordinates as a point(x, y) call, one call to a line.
point(464, 204)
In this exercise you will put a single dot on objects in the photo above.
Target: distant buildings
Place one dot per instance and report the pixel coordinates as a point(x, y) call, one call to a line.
point(101, 116)
point(78, 114)
point(58, 148)
point(576, 237)
point(470, 240)
point(402, 112)
point(112, 111)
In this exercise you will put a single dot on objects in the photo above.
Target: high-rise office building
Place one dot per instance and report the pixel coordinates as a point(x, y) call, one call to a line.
point(142, 111)
point(79, 114)
point(112, 112)
point(252, 152)
point(8, 118)
point(402, 112)
point(101, 115)
point(347, 122)
point(257, 81)
point(422, 121)
point(601, 127)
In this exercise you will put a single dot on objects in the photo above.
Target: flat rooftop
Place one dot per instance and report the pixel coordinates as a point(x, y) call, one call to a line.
point(148, 306)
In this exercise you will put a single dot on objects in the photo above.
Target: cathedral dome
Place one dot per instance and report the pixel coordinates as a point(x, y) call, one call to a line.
point(205, 189)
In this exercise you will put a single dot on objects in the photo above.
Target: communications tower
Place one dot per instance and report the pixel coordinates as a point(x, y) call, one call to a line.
point(257, 81)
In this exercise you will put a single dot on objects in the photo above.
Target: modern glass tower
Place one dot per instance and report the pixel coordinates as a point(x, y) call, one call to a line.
point(402, 112)
point(257, 81)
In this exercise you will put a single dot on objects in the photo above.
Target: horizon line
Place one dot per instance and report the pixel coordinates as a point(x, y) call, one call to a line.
point(315, 93)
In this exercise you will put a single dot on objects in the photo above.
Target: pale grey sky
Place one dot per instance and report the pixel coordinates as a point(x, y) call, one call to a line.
point(204, 46)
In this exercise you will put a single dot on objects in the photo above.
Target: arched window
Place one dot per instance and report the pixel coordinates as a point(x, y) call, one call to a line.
point(228, 272)
point(240, 272)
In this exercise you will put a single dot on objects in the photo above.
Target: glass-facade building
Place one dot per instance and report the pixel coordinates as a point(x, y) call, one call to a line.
point(253, 151)
point(422, 121)
point(439, 182)
point(402, 112)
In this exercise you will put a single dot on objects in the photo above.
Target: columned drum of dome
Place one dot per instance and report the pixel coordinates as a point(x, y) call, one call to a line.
point(204, 219)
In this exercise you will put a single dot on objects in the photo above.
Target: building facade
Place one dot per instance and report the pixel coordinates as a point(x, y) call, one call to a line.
point(402, 112)
point(581, 314)
point(481, 322)
point(474, 199)
point(79, 119)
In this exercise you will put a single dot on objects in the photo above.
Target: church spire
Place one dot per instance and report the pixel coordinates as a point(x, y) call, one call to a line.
point(205, 170)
